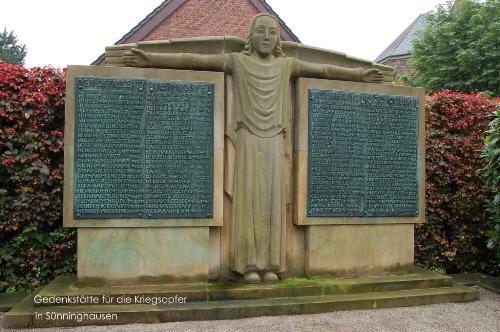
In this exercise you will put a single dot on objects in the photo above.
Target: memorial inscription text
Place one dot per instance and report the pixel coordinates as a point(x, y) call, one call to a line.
point(362, 154)
point(143, 148)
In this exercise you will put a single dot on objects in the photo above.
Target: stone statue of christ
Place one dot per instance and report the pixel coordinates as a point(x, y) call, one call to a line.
point(262, 76)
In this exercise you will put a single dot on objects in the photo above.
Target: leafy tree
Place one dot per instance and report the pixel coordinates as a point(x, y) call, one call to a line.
point(460, 48)
point(10, 50)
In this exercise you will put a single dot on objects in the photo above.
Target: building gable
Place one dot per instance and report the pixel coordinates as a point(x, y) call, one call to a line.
point(402, 45)
point(198, 18)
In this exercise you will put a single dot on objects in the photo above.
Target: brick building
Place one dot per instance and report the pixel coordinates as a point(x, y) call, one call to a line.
point(398, 53)
point(197, 18)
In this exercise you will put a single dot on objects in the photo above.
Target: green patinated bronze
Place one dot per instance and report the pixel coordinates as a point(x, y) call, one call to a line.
point(143, 148)
point(363, 154)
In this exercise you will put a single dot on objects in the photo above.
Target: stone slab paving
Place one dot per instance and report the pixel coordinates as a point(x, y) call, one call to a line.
point(481, 316)
point(482, 280)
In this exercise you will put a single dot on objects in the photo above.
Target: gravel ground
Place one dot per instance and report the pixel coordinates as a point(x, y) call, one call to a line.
point(482, 315)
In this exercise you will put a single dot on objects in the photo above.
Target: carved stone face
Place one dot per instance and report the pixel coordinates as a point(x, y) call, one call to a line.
point(265, 36)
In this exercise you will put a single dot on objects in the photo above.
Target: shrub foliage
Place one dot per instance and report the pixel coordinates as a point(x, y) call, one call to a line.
point(33, 245)
point(491, 173)
point(455, 235)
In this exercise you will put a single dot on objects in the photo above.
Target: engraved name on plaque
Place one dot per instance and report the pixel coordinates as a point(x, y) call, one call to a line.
point(362, 154)
point(143, 148)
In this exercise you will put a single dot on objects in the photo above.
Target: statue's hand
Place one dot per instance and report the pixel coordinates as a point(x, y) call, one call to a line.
point(137, 58)
point(372, 75)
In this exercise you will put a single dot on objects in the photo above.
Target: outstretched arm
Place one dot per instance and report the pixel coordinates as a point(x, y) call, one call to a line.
point(316, 70)
point(138, 58)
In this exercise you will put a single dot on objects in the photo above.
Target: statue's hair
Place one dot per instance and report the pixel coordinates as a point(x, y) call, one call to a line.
point(278, 49)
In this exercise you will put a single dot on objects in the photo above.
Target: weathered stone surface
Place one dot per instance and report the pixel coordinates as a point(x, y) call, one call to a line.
point(9, 300)
point(347, 250)
point(229, 44)
point(163, 254)
point(232, 301)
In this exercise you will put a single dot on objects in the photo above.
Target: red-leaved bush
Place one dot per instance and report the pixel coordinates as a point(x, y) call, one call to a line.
point(34, 247)
point(455, 235)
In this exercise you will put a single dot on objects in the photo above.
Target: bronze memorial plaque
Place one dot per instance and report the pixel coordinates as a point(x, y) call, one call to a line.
point(363, 154)
point(143, 148)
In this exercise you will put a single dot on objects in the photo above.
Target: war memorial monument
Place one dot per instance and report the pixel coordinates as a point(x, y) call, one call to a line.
point(213, 178)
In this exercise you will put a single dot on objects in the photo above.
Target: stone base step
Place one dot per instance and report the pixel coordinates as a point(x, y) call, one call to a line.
point(225, 290)
point(27, 315)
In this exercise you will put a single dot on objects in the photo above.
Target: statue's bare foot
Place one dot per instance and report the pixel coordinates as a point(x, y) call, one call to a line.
point(270, 277)
point(252, 277)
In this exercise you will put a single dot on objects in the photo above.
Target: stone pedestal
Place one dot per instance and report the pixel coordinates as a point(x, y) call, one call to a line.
point(166, 254)
point(356, 250)
point(359, 244)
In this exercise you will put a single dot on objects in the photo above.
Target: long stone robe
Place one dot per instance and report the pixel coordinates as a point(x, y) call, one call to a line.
point(261, 111)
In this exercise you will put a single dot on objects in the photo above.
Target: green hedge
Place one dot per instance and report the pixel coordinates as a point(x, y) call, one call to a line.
point(454, 238)
point(34, 247)
point(491, 173)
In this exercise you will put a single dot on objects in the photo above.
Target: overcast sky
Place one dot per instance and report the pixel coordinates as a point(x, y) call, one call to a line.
point(62, 32)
